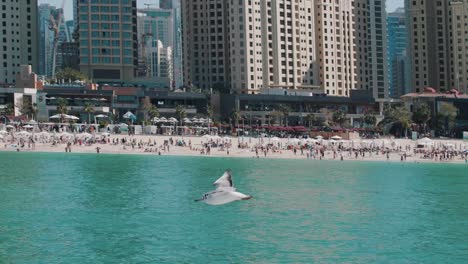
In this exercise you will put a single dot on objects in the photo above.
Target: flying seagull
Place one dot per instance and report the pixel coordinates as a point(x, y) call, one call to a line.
point(224, 192)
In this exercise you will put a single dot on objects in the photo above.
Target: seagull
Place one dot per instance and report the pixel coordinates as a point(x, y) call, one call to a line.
point(224, 192)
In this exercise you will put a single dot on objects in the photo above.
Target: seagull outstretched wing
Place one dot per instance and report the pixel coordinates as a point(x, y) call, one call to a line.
point(224, 181)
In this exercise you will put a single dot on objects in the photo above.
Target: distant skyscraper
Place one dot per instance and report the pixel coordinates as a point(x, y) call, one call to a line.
point(396, 52)
point(108, 40)
point(18, 41)
point(371, 45)
point(49, 18)
point(156, 24)
point(165, 4)
point(159, 60)
point(437, 46)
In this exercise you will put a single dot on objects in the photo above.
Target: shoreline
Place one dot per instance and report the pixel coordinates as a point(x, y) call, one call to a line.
point(234, 152)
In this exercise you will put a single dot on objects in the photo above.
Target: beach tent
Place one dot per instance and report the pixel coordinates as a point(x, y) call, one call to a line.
point(425, 142)
point(130, 115)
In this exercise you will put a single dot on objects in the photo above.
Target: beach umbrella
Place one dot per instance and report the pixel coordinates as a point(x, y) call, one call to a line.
point(163, 119)
point(101, 116)
point(131, 116)
point(195, 120)
point(156, 120)
point(172, 120)
point(425, 141)
point(58, 116)
point(201, 120)
point(336, 138)
point(28, 126)
point(206, 137)
point(72, 117)
point(318, 137)
point(10, 126)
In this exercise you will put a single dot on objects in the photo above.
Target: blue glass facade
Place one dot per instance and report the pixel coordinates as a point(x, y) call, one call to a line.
point(396, 53)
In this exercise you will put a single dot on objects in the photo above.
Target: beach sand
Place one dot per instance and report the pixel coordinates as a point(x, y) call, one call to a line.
point(395, 154)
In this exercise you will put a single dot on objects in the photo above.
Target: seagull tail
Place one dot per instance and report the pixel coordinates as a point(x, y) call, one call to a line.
point(248, 197)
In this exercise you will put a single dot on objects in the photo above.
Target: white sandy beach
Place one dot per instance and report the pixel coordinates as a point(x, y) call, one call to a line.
point(363, 149)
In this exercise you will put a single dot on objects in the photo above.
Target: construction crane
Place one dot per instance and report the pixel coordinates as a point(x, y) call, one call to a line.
point(54, 25)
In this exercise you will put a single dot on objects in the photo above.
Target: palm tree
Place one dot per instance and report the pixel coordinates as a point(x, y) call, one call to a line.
point(33, 110)
point(62, 108)
point(370, 119)
point(153, 112)
point(9, 109)
point(180, 112)
point(236, 116)
point(89, 108)
point(210, 111)
point(339, 117)
point(421, 116)
point(145, 106)
point(310, 119)
point(285, 109)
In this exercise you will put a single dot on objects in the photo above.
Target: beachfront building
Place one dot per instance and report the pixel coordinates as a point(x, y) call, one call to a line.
point(244, 47)
point(437, 32)
point(76, 96)
point(396, 53)
point(108, 40)
point(436, 100)
point(18, 38)
point(130, 98)
point(336, 50)
point(266, 109)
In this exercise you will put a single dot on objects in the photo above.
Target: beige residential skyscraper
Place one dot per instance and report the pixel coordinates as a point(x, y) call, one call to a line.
point(246, 46)
point(437, 44)
point(18, 38)
point(335, 38)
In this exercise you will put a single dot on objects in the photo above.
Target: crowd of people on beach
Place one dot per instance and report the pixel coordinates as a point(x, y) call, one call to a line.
point(250, 147)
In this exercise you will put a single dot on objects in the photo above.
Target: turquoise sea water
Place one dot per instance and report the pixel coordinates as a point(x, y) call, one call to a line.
point(86, 208)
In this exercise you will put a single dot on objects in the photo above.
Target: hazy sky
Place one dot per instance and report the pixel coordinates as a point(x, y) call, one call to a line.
point(391, 5)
